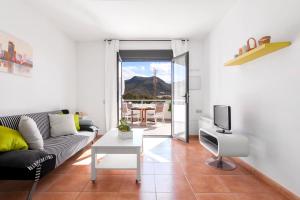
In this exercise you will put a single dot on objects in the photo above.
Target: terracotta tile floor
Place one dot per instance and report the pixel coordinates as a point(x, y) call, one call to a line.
point(171, 170)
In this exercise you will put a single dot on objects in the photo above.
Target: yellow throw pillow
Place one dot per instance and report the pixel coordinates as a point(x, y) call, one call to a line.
point(11, 140)
point(76, 120)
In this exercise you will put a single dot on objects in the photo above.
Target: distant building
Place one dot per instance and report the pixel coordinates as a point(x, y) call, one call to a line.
point(11, 51)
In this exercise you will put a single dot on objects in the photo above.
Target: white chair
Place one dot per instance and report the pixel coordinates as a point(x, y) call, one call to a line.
point(128, 114)
point(159, 112)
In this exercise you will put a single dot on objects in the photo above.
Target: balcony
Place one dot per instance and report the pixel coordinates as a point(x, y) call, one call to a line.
point(151, 115)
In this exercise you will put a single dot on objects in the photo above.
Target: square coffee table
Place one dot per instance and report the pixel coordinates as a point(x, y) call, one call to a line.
point(120, 154)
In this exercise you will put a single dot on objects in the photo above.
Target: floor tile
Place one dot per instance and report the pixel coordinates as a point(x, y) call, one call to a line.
point(176, 196)
point(207, 183)
point(191, 168)
point(13, 195)
point(171, 183)
point(64, 168)
point(136, 196)
point(55, 195)
point(147, 184)
point(171, 170)
point(69, 183)
point(147, 168)
point(112, 172)
point(15, 185)
point(105, 183)
point(259, 196)
point(167, 168)
point(244, 184)
point(216, 196)
point(46, 182)
point(80, 169)
point(97, 196)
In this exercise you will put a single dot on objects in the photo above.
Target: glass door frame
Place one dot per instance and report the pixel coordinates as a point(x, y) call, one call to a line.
point(120, 87)
point(186, 97)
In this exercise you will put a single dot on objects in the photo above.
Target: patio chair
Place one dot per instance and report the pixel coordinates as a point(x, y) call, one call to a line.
point(160, 109)
point(128, 114)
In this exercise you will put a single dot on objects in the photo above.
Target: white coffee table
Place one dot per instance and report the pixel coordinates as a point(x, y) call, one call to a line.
point(121, 154)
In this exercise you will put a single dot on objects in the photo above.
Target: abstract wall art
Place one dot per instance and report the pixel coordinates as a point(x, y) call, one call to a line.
point(15, 55)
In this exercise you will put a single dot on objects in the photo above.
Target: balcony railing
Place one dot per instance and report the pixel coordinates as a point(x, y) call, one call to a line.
point(146, 101)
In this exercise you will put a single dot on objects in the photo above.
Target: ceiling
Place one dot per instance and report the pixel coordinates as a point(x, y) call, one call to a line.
point(87, 20)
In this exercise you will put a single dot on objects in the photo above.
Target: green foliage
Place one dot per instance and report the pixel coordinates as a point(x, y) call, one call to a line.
point(133, 96)
point(170, 107)
point(124, 127)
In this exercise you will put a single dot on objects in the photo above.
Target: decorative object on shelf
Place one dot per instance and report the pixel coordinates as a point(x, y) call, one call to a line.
point(82, 115)
point(240, 51)
point(124, 131)
point(257, 52)
point(15, 55)
point(251, 44)
point(244, 49)
point(264, 40)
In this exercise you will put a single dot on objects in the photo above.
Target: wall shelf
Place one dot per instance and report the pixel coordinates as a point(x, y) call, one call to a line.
point(257, 52)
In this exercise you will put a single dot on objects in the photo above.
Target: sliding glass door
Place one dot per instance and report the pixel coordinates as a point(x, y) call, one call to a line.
point(180, 97)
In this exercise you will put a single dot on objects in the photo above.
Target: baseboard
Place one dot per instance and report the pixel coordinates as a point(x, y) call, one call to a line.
point(282, 190)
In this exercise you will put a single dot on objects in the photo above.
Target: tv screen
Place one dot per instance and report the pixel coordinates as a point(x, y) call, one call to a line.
point(222, 116)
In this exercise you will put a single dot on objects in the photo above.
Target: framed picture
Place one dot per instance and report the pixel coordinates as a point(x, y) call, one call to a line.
point(15, 55)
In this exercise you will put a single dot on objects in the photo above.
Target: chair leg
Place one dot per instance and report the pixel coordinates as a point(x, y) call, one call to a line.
point(30, 194)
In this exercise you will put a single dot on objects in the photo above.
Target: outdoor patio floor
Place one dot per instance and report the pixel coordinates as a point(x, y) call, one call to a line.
point(152, 129)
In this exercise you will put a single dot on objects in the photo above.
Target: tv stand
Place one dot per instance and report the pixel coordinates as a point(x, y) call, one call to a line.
point(223, 145)
point(223, 131)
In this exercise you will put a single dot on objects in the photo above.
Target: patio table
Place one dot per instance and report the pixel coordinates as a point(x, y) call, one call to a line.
point(143, 112)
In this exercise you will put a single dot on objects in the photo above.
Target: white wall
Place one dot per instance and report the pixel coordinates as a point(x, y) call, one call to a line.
point(195, 72)
point(90, 80)
point(264, 94)
point(53, 83)
point(90, 68)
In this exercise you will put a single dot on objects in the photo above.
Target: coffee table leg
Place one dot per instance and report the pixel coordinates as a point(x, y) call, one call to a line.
point(138, 165)
point(93, 167)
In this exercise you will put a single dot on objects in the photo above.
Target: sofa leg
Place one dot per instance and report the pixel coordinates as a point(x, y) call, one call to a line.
point(30, 194)
point(36, 180)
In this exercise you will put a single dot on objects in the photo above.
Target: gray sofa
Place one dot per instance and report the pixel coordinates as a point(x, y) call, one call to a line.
point(34, 164)
point(62, 147)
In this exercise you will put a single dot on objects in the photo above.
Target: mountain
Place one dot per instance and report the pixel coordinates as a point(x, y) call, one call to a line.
point(143, 86)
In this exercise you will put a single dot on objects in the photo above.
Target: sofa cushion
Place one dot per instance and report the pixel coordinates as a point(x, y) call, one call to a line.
point(62, 125)
point(31, 133)
point(41, 120)
point(20, 165)
point(66, 146)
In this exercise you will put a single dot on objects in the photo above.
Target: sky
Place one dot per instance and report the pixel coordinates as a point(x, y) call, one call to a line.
point(145, 69)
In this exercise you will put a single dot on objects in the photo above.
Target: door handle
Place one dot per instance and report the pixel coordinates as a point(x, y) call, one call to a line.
point(186, 96)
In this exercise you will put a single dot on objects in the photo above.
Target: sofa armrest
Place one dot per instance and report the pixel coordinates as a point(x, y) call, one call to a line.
point(89, 128)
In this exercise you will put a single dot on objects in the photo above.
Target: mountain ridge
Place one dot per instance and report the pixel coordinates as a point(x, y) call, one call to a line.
point(143, 87)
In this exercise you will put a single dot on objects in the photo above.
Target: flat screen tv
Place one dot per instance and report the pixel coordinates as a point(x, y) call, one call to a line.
point(222, 118)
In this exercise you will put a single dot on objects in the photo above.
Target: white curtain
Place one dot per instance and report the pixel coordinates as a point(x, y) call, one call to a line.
point(111, 104)
point(179, 47)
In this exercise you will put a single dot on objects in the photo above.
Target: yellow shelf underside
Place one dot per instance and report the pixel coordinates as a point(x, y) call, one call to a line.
point(257, 52)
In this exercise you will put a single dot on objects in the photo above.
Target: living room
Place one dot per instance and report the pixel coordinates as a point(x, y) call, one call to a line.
point(239, 54)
